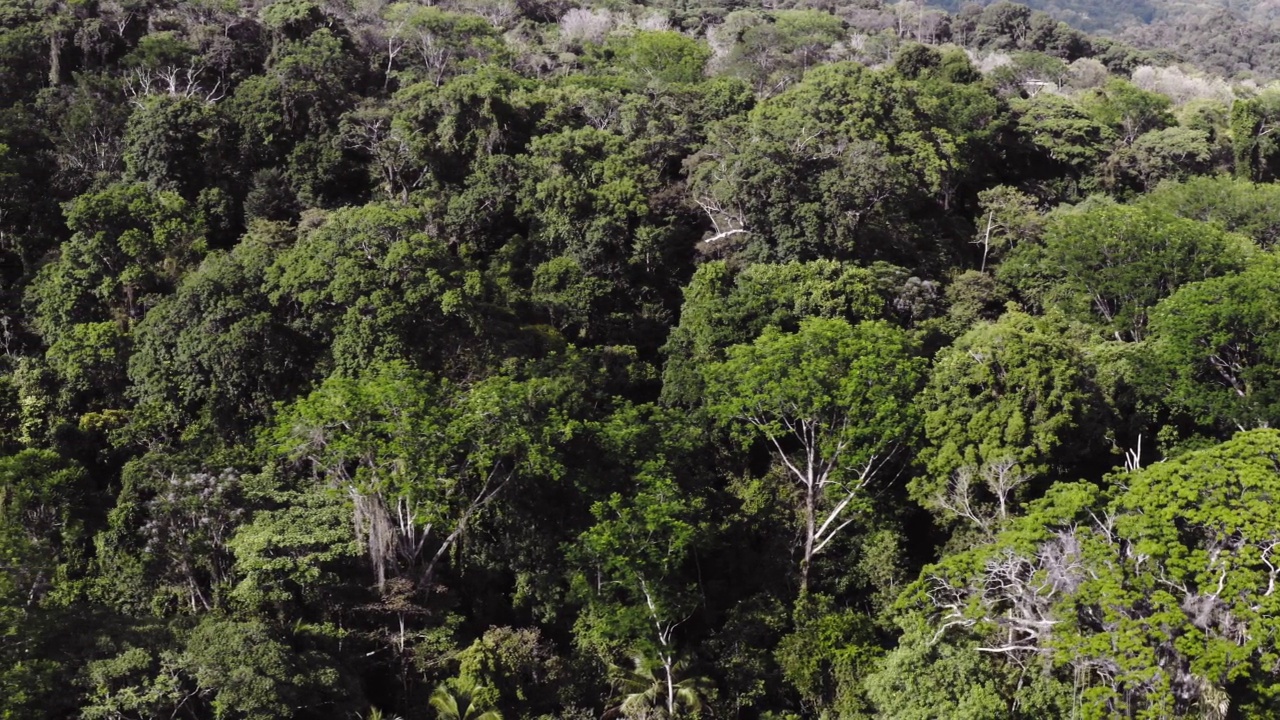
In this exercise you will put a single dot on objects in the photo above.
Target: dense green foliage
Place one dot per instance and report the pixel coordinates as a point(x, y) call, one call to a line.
point(480, 360)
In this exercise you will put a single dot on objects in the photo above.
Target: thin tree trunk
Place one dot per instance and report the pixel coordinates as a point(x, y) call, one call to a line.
point(810, 521)
point(671, 687)
point(55, 58)
point(986, 240)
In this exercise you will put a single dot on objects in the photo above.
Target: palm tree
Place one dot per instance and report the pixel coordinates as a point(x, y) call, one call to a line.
point(456, 700)
point(651, 689)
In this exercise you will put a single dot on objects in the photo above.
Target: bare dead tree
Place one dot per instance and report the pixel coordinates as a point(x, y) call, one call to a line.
point(726, 221)
point(958, 499)
point(1000, 478)
point(827, 484)
point(390, 146)
point(181, 82)
point(1015, 593)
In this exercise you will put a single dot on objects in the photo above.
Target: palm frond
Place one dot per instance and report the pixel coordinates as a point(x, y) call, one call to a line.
point(455, 699)
point(640, 689)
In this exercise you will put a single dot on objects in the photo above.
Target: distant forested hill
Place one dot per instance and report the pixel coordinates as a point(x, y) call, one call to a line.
point(1230, 37)
point(1104, 16)
point(1091, 15)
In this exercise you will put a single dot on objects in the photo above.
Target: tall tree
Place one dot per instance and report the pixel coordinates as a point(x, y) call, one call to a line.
point(1008, 401)
point(637, 558)
point(1212, 350)
point(420, 460)
point(1110, 264)
point(832, 401)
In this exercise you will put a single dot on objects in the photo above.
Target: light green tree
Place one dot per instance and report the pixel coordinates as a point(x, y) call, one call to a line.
point(645, 686)
point(660, 56)
point(724, 306)
point(431, 43)
point(462, 699)
point(1236, 205)
point(1127, 109)
point(1008, 401)
point(831, 401)
point(1009, 217)
point(636, 559)
point(1154, 598)
point(1212, 349)
point(419, 459)
point(1110, 264)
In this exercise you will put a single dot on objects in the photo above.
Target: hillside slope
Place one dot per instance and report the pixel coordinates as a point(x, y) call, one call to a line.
point(1103, 16)
point(1090, 15)
point(1228, 37)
